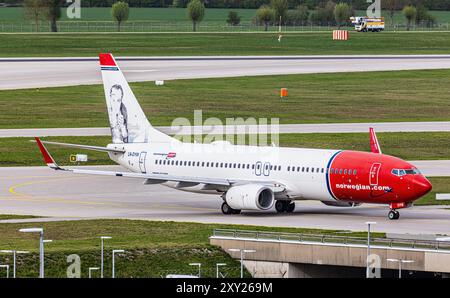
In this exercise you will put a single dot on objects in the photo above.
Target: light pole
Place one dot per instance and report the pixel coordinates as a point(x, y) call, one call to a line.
point(101, 262)
point(41, 247)
point(199, 267)
point(115, 251)
point(242, 251)
point(7, 269)
point(217, 268)
point(14, 252)
point(92, 269)
point(400, 262)
point(369, 223)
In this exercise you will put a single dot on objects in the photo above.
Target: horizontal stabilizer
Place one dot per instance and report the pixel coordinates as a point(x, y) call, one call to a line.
point(87, 147)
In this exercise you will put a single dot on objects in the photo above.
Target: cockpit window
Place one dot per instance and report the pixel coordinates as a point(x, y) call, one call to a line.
point(403, 172)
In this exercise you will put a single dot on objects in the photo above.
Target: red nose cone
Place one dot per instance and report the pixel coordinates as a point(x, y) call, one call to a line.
point(421, 186)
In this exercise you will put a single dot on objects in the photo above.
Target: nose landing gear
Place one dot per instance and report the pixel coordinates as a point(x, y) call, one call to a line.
point(284, 206)
point(393, 215)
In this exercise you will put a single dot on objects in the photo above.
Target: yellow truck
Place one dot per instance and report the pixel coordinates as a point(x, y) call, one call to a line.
point(365, 24)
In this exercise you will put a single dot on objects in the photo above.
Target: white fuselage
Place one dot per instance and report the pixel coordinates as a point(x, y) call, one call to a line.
point(225, 161)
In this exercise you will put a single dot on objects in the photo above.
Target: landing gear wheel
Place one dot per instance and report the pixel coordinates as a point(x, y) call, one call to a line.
point(393, 215)
point(279, 206)
point(290, 207)
point(226, 209)
point(235, 211)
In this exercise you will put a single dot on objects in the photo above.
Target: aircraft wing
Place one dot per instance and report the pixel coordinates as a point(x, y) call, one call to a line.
point(184, 181)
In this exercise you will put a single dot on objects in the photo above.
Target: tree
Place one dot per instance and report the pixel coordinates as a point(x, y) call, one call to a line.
point(391, 7)
point(120, 11)
point(280, 8)
point(34, 10)
point(265, 15)
point(424, 17)
point(196, 12)
point(53, 13)
point(410, 13)
point(303, 13)
point(342, 13)
point(233, 18)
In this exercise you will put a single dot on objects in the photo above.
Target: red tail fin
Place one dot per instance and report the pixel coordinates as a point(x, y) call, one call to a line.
point(374, 145)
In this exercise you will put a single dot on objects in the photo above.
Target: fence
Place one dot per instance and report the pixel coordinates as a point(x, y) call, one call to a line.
point(332, 239)
point(149, 26)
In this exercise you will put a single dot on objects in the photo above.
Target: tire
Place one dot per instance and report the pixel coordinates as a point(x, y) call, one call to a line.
point(279, 206)
point(235, 211)
point(291, 207)
point(226, 209)
point(393, 215)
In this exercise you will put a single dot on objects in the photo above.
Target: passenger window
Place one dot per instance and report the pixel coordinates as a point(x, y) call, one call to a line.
point(312, 170)
point(340, 171)
point(345, 172)
point(307, 169)
point(322, 170)
point(354, 172)
point(288, 168)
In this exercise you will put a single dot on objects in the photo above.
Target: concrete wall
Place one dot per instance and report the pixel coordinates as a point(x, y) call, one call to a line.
point(287, 259)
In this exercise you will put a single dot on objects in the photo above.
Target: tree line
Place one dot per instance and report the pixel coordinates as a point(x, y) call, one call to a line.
point(311, 4)
point(277, 12)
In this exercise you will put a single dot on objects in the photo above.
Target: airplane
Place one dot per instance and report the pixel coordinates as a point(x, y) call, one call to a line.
point(246, 177)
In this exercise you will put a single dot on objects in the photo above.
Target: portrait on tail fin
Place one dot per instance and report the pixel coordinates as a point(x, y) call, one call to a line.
point(118, 115)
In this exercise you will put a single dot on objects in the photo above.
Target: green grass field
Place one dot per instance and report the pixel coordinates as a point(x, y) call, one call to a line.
point(408, 146)
point(169, 44)
point(153, 249)
point(317, 98)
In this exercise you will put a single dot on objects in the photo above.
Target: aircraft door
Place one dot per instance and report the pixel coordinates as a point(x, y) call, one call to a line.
point(373, 174)
point(142, 158)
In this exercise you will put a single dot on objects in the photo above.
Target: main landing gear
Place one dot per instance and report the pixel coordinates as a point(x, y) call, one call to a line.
point(284, 206)
point(226, 209)
point(393, 215)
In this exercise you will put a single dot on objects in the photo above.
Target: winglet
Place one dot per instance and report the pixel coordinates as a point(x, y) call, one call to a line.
point(107, 59)
point(374, 145)
point(47, 157)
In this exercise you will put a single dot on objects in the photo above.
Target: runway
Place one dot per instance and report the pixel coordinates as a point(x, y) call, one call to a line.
point(65, 196)
point(19, 73)
point(441, 126)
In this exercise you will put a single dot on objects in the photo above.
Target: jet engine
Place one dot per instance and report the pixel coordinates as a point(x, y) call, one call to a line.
point(250, 197)
point(341, 204)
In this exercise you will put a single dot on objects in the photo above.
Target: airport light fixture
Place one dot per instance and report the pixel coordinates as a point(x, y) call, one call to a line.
point(114, 252)
point(92, 269)
point(101, 261)
point(14, 253)
point(7, 269)
point(400, 262)
point(242, 251)
point(199, 268)
point(217, 268)
point(369, 224)
point(41, 247)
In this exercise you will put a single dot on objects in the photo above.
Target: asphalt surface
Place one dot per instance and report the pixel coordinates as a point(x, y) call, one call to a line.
point(19, 73)
point(442, 126)
point(66, 196)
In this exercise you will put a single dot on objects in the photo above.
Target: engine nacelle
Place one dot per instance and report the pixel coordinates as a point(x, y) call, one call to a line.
point(250, 197)
point(341, 204)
